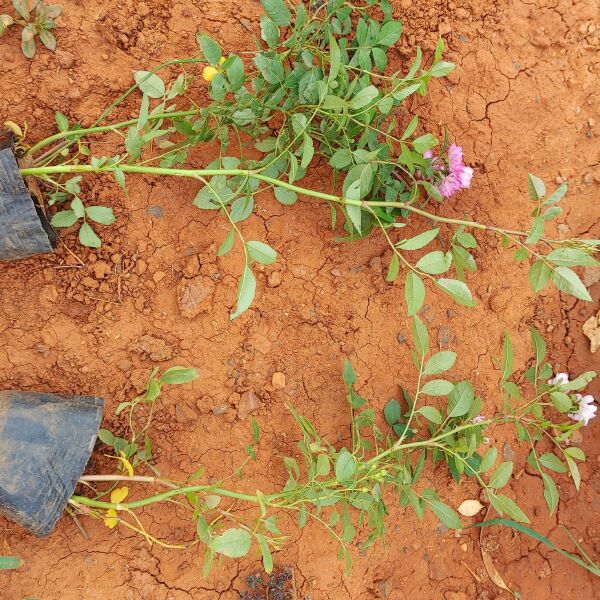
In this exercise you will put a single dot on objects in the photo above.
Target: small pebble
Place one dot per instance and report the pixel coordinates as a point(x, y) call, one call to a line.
point(278, 380)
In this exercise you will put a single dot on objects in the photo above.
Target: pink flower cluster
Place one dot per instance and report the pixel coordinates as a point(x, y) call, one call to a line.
point(586, 410)
point(456, 175)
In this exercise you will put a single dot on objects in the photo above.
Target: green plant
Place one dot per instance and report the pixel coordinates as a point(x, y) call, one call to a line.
point(10, 562)
point(37, 19)
point(343, 488)
point(317, 88)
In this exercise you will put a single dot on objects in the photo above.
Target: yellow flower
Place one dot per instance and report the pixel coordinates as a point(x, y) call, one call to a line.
point(222, 60)
point(208, 73)
point(111, 518)
point(119, 494)
point(126, 463)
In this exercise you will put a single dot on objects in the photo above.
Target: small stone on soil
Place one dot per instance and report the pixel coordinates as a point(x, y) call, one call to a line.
point(221, 409)
point(184, 413)
point(278, 381)
point(249, 403)
point(274, 279)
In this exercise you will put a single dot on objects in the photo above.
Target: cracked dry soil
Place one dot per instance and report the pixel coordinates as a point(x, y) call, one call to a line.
point(525, 97)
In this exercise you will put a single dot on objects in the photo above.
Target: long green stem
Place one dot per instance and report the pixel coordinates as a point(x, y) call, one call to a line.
point(77, 133)
point(197, 173)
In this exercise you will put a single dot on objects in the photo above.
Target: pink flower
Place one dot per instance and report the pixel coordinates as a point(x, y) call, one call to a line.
point(587, 409)
point(478, 419)
point(559, 379)
point(456, 175)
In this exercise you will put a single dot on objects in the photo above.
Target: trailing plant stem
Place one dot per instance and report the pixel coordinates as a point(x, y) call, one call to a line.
point(255, 174)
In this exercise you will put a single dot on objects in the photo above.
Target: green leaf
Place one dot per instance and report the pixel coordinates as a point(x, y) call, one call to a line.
point(441, 69)
point(355, 215)
point(278, 12)
point(424, 143)
point(285, 196)
point(178, 375)
point(261, 252)
point(419, 241)
point(234, 543)
point(501, 475)
point(345, 466)
point(561, 401)
point(271, 68)
point(505, 505)
point(435, 263)
point(23, 7)
point(414, 290)
point(537, 231)
point(364, 97)
point(341, 158)
point(241, 208)
point(393, 269)
point(579, 382)
point(457, 290)
point(437, 387)
point(64, 218)
point(440, 362)
point(61, 121)
point(574, 470)
point(28, 40)
point(269, 32)
point(10, 562)
point(88, 237)
point(77, 207)
point(101, 214)
point(539, 275)
point(120, 178)
point(210, 49)
point(323, 465)
point(150, 84)
point(552, 462)
point(308, 151)
point(348, 374)
point(389, 33)
point(571, 257)
point(540, 538)
point(246, 291)
point(535, 187)
point(460, 399)
point(266, 553)
point(557, 195)
point(445, 514)
point(234, 69)
point(431, 414)
point(550, 492)
point(227, 243)
point(507, 357)
point(539, 345)
point(488, 460)
point(420, 336)
point(392, 412)
point(48, 39)
point(566, 280)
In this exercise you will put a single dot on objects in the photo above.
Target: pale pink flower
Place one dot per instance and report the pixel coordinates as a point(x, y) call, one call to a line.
point(478, 419)
point(559, 379)
point(456, 175)
point(587, 409)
